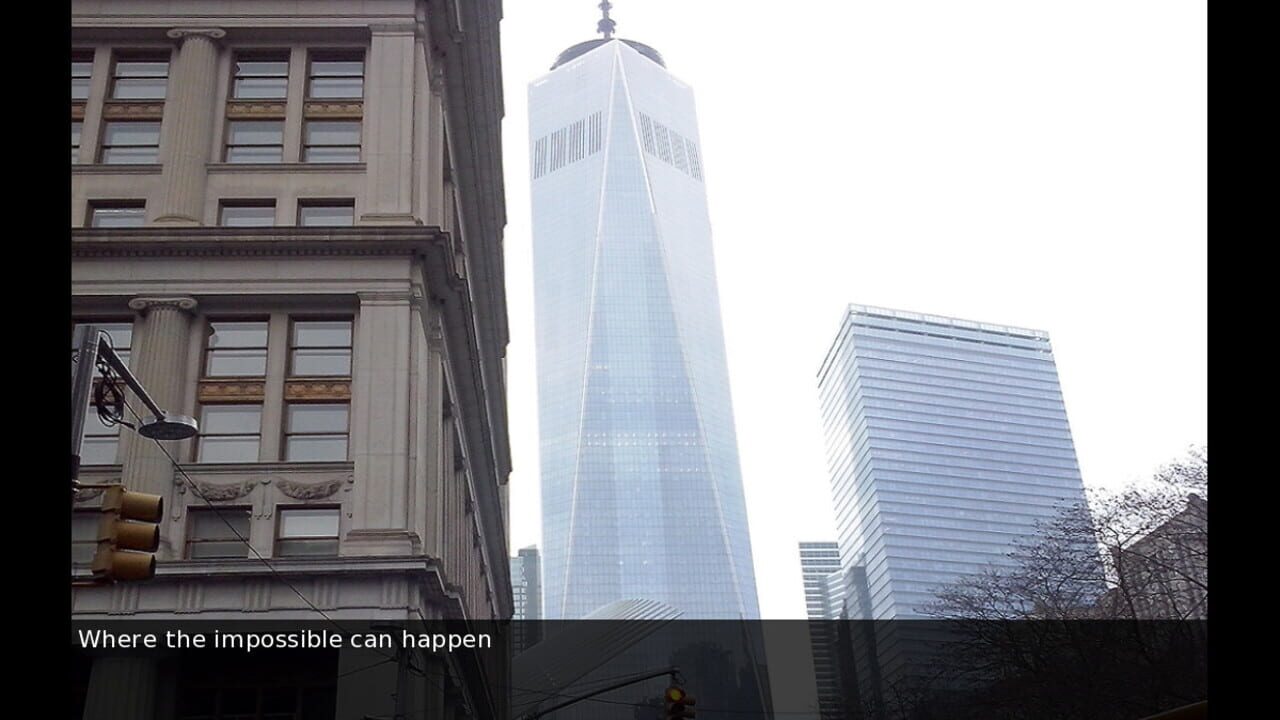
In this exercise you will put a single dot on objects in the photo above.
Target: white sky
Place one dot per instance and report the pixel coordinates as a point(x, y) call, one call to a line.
point(1039, 164)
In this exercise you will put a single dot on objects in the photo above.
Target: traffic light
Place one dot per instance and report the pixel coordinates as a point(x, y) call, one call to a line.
point(128, 535)
point(677, 704)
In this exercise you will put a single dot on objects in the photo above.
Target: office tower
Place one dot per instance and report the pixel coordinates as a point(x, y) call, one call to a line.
point(526, 585)
point(290, 216)
point(947, 442)
point(641, 491)
point(818, 560)
point(820, 569)
point(526, 595)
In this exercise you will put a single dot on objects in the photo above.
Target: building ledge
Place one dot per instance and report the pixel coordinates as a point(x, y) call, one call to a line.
point(277, 241)
point(287, 168)
point(103, 169)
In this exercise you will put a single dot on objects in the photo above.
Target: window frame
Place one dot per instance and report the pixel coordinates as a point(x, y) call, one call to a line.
point(82, 56)
point(291, 346)
point(104, 147)
point(154, 55)
point(204, 434)
point(104, 204)
point(240, 203)
point(229, 146)
point(287, 433)
point(358, 145)
point(260, 55)
point(335, 54)
point(216, 513)
point(316, 203)
point(278, 539)
point(91, 516)
point(207, 351)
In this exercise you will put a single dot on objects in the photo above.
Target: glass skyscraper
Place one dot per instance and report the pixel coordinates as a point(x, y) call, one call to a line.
point(947, 441)
point(641, 490)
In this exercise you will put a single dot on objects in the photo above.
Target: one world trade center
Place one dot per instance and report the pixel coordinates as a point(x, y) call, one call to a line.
point(641, 490)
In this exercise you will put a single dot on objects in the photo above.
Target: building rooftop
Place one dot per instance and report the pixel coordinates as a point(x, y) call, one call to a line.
point(583, 48)
point(943, 320)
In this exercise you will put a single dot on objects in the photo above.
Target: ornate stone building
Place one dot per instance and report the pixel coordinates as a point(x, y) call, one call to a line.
point(289, 216)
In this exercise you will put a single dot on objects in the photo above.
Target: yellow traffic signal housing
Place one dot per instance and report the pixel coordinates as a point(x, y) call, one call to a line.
point(676, 704)
point(128, 535)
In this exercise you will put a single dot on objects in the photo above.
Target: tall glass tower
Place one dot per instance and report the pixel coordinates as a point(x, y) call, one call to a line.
point(641, 490)
point(947, 441)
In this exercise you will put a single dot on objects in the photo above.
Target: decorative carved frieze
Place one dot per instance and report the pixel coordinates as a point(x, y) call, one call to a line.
point(309, 491)
point(223, 492)
point(133, 110)
point(303, 390)
point(77, 111)
point(351, 110)
point(230, 391)
point(239, 109)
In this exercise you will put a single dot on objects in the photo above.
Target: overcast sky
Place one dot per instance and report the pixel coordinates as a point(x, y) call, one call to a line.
point(1031, 163)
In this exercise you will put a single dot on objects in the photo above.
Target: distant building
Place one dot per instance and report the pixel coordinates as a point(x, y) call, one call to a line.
point(1165, 574)
point(947, 443)
point(526, 585)
point(818, 560)
point(823, 583)
point(526, 595)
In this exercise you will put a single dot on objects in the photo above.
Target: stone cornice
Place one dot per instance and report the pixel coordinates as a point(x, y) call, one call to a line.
point(280, 241)
point(425, 568)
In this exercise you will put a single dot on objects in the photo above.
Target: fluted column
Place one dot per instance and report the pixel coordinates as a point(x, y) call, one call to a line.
point(380, 426)
point(188, 126)
point(121, 688)
point(159, 361)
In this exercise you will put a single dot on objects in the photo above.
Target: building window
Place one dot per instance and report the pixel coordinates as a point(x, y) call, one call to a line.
point(331, 141)
point(255, 141)
point(307, 531)
point(320, 348)
point(84, 535)
point(140, 77)
point(261, 76)
point(336, 74)
point(127, 142)
point(326, 213)
point(236, 349)
point(220, 533)
point(247, 213)
point(230, 433)
point(314, 415)
point(81, 74)
point(117, 213)
point(77, 126)
point(316, 432)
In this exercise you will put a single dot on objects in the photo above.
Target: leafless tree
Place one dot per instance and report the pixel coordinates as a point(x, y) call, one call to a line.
point(1140, 552)
point(1041, 634)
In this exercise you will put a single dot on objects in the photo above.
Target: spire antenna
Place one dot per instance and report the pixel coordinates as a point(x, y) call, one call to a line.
point(606, 24)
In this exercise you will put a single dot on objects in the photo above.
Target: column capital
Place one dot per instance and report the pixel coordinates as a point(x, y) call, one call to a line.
point(144, 305)
point(182, 34)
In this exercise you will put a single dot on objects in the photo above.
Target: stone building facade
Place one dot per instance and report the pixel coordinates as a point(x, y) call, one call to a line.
point(289, 217)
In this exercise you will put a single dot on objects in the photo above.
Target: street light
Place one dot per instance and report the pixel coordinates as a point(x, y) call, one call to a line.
point(91, 344)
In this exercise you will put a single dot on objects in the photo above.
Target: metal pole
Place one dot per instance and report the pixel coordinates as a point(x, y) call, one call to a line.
point(109, 355)
point(86, 343)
